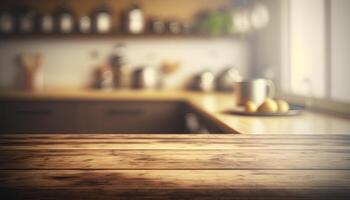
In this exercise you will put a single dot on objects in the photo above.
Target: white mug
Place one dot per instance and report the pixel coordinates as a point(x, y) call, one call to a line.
point(256, 90)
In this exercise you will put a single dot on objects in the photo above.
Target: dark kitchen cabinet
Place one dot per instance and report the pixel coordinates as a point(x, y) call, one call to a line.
point(38, 117)
point(44, 116)
point(4, 122)
point(132, 117)
point(92, 117)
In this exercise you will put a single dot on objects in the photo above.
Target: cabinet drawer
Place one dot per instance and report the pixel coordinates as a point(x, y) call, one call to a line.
point(131, 117)
point(4, 120)
point(40, 117)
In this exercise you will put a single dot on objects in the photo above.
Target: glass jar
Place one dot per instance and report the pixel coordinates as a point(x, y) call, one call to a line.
point(157, 26)
point(102, 19)
point(64, 18)
point(134, 22)
point(25, 17)
point(85, 24)
point(7, 22)
point(174, 27)
point(46, 23)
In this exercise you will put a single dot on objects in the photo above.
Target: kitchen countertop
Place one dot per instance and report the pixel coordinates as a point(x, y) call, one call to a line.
point(193, 166)
point(213, 105)
point(308, 159)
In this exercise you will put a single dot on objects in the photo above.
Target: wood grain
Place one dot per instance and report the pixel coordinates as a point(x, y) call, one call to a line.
point(174, 166)
point(172, 141)
point(98, 136)
point(151, 179)
point(174, 159)
point(244, 183)
point(161, 194)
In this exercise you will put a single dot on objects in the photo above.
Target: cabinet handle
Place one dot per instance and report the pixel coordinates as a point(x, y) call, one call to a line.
point(114, 112)
point(41, 112)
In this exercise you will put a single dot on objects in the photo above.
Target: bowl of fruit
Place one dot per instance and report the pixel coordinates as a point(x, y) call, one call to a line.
point(269, 107)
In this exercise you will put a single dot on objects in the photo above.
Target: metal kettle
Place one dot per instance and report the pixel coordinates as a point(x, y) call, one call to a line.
point(227, 78)
point(146, 78)
point(204, 81)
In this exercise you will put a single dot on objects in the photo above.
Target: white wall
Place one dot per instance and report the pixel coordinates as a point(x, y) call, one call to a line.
point(340, 57)
point(266, 44)
point(308, 48)
point(68, 62)
point(330, 81)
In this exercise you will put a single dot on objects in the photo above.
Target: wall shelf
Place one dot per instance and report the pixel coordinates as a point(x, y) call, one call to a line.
point(164, 10)
point(110, 36)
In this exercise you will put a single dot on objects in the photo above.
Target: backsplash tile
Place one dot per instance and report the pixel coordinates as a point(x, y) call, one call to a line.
point(68, 62)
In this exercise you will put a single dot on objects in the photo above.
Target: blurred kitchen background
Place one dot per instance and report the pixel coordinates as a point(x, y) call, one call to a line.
point(303, 46)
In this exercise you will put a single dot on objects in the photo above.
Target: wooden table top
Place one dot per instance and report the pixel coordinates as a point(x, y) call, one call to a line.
point(192, 166)
point(214, 105)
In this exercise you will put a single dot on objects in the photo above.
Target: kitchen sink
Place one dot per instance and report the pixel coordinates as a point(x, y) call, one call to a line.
point(122, 116)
